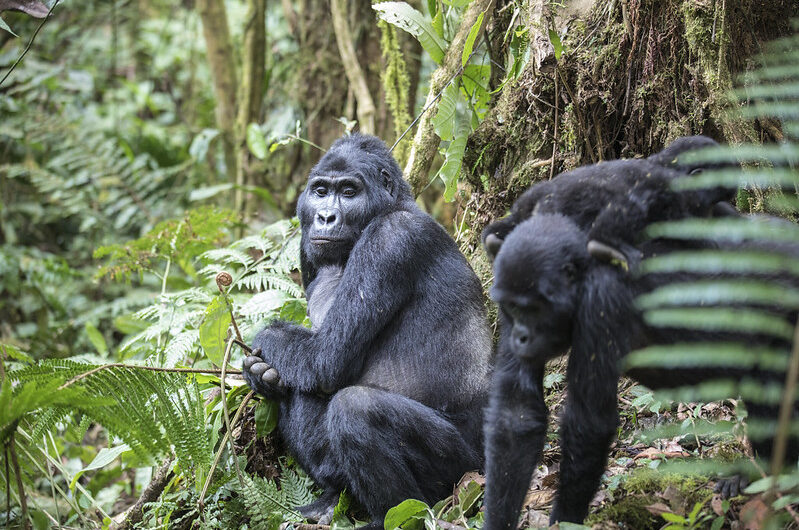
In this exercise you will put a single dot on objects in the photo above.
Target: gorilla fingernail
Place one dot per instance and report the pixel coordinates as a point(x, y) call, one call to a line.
point(258, 369)
point(270, 377)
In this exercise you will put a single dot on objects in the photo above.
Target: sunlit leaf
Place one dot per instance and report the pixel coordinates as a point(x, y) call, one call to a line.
point(403, 16)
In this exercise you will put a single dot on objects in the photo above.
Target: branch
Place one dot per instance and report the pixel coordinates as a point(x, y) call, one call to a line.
point(366, 106)
point(134, 514)
point(425, 143)
point(148, 368)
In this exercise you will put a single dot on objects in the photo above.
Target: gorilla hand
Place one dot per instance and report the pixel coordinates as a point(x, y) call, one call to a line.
point(261, 377)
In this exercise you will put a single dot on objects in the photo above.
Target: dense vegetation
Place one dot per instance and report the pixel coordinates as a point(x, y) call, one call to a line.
point(148, 188)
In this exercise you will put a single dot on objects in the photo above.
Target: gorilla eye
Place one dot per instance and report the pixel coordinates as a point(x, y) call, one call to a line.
point(349, 192)
point(320, 191)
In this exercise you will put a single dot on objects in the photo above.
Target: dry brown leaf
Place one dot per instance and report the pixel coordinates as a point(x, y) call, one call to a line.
point(658, 508)
point(538, 498)
point(715, 503)
point(754, 513)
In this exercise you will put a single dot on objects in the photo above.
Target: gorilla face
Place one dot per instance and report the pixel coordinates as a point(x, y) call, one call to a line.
point(536, 285)
point(336, 210)
point(355, 181)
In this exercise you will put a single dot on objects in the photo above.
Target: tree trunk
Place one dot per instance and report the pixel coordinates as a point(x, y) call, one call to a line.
point(357, 79)
point(251, 93)
point(222, 62)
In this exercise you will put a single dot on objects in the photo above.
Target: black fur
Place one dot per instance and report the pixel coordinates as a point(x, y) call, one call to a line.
point(384, 396)
point(614, 200)
point(553, 295)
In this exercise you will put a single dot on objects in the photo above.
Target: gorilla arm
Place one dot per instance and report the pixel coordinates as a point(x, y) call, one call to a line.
point(379, 278)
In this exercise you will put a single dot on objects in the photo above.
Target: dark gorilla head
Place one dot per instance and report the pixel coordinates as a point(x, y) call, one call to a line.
point(356, 180)
point(537, 277)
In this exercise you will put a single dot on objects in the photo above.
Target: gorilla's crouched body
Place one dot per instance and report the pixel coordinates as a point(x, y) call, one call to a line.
point(384, 396)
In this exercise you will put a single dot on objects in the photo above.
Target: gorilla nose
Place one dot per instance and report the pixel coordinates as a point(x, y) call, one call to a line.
point(520, 336)
point(327, 218)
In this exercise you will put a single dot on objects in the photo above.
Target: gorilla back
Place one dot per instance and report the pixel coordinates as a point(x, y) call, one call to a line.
point(384, 396)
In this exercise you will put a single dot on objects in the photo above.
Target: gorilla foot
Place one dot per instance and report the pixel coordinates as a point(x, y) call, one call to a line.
point(321, 510)
point(731, 486)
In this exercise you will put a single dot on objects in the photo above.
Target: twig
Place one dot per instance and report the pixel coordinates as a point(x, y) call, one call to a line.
point(151, 493)
point(209, 371)
point(30, 43)
point(8, 483)
point(23, 501)
point(225, 412)
point(786, 409)
point(218, 454)
point(777, 493)
point(555, 132)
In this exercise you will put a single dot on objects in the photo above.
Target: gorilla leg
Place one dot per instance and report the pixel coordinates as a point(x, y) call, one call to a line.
point(516, 427)
point(587, 429)
point(302, 427)
point(391, 448)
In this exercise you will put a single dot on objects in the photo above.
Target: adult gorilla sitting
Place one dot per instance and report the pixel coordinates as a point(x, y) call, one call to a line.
point(384, 396)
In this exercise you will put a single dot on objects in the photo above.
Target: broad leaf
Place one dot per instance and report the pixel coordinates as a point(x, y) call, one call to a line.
point(256, 141)
point(213, 330)
point(473, 33)
point(408, 19)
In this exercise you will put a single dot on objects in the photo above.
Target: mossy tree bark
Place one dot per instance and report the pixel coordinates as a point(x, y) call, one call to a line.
point(633, 76)
point(251, 94)
point(222, 62)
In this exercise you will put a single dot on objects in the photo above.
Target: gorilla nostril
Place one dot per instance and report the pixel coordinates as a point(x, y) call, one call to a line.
point(523, 339)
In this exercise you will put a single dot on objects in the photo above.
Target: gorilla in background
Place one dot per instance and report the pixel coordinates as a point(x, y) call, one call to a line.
point(616, 199)
point(384, 395)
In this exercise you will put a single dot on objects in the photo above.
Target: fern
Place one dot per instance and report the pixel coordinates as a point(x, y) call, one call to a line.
point(263, 498)
point(155, 413)
point(756, 280)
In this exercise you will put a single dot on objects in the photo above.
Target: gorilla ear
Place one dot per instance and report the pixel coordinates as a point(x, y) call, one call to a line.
point(492, 245)
point(387, 182)
point(607, 254)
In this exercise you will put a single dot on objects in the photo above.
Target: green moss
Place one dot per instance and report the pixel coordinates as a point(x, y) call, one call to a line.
point(396, 85)
point(644, 487)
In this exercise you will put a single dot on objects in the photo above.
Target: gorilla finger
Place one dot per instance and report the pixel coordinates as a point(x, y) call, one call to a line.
point(258, 369)
point(270, 376)
point(256, 352)
point(492, 244)
point(251, 360)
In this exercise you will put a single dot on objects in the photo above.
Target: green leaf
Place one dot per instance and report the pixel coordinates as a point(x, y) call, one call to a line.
point(722, 261)
point(438, 23)
point(404, 511)
point(469, 495)
point(200, 194)
point(256, 141)
point(727, 229)
point(213, 330)
point(5, 26)
point(199, 146)
point(293, 311)
point(129, 324)
point(554, 38)
point(451, 168)
point(408, 19)
point(707, 293)
point(473, 33)
point(672, 517)
point(103, 458)
point(96, 338)
point(721, 319)
point(266, 417)
point(15, 353)
point(445, 119)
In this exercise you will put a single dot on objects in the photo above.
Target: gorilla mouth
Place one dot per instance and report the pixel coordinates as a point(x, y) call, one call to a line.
point(325, 240)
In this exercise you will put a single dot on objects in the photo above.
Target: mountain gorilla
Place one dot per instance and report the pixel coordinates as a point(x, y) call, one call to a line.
point(558, 287)
point(384, 396)
point(553, 295)
point(619, 196)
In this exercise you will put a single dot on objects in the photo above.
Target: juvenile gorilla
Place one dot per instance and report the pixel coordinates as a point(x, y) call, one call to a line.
point(619, 197)
point(554, 295)
point(384, 396)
